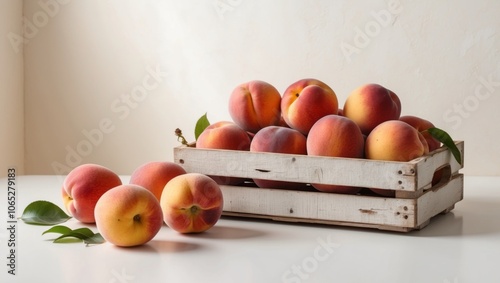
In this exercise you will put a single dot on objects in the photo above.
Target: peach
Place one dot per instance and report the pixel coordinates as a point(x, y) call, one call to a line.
point(191, 203)
point(279, 140)
point(371, 104)
point(254, 105)
point(83, 186)
point(336, 136)
point(155, 175)
point(224, 135)
point(421, 125)
point(128, 215)
point(305, 102)
point(394, 141)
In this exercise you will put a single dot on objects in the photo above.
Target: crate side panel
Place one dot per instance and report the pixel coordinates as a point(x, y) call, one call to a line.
point(299, 168)
point(316, 206)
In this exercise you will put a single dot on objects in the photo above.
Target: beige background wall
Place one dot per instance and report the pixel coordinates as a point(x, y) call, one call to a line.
point(11, 87)
point(109, 81)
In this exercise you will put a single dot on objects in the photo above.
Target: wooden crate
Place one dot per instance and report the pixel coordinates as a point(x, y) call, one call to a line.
point(416, 200)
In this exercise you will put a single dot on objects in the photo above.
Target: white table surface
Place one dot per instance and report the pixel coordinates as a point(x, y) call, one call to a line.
point(461, 246)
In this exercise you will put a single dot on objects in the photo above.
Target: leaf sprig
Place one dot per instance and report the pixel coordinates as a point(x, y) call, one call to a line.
point(43, 212)
point(81, 234)
point(46, 213)
point(200, 126)
point(447, 141)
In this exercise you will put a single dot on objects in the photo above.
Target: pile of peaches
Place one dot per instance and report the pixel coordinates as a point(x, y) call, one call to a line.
point(132, 214)
point(306, 119)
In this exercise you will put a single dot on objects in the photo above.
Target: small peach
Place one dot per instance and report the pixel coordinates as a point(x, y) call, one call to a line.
point(83, 186)
point(335, 136)
point(279, 140)
point(254, 105)
point(191, 203)
point(371, 104)
point(305, 102)
point(155, 175)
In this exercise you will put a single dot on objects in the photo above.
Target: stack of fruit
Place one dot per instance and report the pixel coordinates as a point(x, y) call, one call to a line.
point(132, 214)
point(306, 119)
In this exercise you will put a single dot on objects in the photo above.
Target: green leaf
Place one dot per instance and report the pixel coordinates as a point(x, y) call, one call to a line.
point(445, 138)
point(81, 234)
point(201, 125)
point(44, 213)
point(58, 229)
point(94, 239)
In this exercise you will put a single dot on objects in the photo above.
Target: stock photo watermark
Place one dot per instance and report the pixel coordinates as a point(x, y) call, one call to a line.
point(122, 107)
point(48, 10)
point(302, 270)
point(120, 277)
point(224, 6)
point(11, 223)
point(483, 90)
point(364, 36)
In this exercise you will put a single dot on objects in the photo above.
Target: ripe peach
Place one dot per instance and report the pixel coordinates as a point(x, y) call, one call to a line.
point(305, 102)
point(191, 203)
point(128, 215)
point(279, 140)
point(421, 125)
point(224, 135)
point(394, 141)
point(155, 175)
point(83, 186)
point(335, 136)
point(371, 104)
point(254, 105)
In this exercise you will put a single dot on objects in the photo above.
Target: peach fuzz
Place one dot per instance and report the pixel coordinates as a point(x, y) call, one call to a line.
point(371, 104)
point(335, 136)
point(421, 125)
point(394, 141)
point(224, 135)
point(278, 139)
point(254, 105)
point(305, 102)
point(155, 175)
point(83, 187)
point(191, 203)
point(128, 215)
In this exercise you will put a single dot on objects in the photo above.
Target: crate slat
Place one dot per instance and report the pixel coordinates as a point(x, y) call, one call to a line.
point(328, 208)
point(315, 169)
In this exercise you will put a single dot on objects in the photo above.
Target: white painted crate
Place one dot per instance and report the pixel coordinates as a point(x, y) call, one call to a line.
point(415, 203)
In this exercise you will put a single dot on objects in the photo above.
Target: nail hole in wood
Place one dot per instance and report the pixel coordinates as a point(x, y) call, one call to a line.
point(405, 208)
point(181, 161)
point(400, 172)
point(291, 210)
point(400, 182)
point(405, 217)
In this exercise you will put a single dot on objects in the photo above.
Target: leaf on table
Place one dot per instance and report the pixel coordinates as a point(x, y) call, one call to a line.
point(447, 141)
point(201, 125)
point(81, 234)
point(43, 212)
